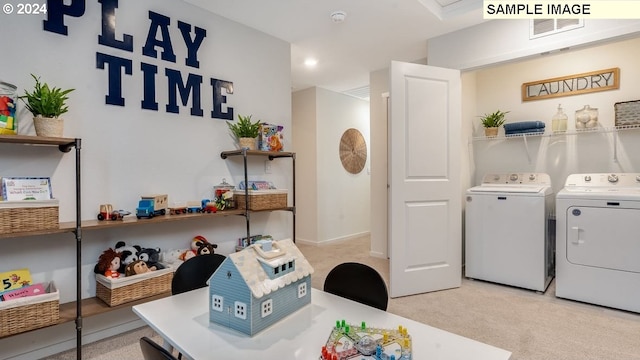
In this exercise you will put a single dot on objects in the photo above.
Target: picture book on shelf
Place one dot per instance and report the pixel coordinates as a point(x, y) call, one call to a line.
point(26, 188)
point(32, 290)
point(15, 279)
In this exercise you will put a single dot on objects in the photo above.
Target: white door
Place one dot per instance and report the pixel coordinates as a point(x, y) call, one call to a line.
point(425, 221)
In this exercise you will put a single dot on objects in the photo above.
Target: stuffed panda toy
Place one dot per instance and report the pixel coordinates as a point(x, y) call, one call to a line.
point(151, 256)
point(128, 255)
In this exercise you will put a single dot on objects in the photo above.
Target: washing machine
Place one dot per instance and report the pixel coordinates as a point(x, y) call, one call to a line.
point(598, 240)
point(507, 237)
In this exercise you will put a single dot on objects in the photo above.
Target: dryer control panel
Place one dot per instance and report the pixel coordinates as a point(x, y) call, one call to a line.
point(518, 178)
point(602, 180)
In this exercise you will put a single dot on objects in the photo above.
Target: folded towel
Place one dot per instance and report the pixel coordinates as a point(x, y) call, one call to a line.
point(524, 125)
point(524, 131)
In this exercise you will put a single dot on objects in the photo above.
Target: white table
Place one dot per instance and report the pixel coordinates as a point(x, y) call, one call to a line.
point(183, 321)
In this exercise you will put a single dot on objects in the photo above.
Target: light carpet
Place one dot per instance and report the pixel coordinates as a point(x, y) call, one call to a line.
point(533, 326)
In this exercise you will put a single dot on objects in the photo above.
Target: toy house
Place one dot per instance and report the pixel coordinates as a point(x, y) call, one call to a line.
point(256, 287)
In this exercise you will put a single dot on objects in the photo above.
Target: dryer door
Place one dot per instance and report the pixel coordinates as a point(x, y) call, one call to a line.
point(604, 237)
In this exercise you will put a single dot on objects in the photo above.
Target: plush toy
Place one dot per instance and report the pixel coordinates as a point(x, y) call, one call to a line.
point(137, 267)
point(201, 245)
point(206, 249)
point(187, 254)
point(172, 257)
point(128, 254)
point(108, 264)
point(151, 256)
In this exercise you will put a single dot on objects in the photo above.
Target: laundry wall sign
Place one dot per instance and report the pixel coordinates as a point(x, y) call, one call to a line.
point(600, 80)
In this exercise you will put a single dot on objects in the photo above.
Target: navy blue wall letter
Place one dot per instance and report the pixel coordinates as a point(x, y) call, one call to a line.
point(174, 82)
point(161, 22)
point(108, 36)
point(56, 10)
point(192, 45)
point(148, 73)
point(114, 97)
point(219, 99)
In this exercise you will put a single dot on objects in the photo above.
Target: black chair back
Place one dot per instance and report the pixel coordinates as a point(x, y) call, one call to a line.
point(358, 282)
point(152, 351)
point(194, 273)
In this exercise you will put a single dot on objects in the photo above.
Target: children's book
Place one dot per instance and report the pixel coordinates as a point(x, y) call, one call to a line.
point(36, 289)
point(15, 279)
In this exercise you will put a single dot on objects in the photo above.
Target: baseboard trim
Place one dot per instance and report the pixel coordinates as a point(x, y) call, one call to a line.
point(334, 240)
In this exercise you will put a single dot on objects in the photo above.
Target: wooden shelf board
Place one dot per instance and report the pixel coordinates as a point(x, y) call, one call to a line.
point(62, 229)
point(35, 140)
point(273, 154)
point(94, 306)
point(132, 220)
point(68, 227)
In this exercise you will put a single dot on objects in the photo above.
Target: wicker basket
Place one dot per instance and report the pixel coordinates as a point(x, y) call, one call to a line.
point(116, 292)
point(29, 313)
point(261, 199)
point(28, 215)
point(627, 113)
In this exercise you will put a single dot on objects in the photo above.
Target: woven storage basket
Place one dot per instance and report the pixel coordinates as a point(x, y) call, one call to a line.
point(29, 313)
point(116, 292)
point(627, 113)
point(261, 199)
point(28, 215)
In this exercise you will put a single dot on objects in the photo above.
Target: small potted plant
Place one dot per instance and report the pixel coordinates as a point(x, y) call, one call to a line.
point(46, 104)
point(245, 131)
point(492, 122)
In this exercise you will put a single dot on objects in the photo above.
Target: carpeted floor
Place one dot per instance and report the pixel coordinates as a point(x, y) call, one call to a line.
point(532, 326)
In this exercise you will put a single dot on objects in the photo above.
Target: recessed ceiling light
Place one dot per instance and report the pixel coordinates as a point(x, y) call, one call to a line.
point(338, 16)
point(310, 62)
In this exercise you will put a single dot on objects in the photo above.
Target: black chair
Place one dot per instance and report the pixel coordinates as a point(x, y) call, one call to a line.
point(194, 273)
point(152, 351)
point(358, 282)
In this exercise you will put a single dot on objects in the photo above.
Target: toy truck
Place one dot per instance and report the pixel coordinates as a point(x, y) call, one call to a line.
point(178, 208)
point(194, 207)
point(107, 212)
point(208, 206)
point(152, 205)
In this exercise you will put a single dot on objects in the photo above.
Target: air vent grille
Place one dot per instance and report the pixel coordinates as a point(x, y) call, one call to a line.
point(545, 27)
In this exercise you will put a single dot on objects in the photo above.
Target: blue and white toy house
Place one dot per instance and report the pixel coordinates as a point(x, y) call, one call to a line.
point(256, 287)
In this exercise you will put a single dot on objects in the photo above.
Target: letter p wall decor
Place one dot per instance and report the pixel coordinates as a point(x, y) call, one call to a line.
point(601, 80)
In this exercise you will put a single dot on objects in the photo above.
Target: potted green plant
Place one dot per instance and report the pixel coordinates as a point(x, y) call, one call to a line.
point(492, 122)
point(46, 104)
point(245, 131)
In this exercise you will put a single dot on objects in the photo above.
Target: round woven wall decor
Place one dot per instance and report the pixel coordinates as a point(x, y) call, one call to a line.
point(353, 151)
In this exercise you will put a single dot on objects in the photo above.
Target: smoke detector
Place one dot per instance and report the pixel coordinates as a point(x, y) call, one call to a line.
point(338, 16)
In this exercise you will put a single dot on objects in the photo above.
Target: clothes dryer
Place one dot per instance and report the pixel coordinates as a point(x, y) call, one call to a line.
point(598, 240)
point(507, 237)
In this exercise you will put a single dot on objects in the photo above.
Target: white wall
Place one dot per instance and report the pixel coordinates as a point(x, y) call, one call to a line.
point(127, 151)
point(341, 199)
point(499, 88)
point(305, 143)
point(498, 41)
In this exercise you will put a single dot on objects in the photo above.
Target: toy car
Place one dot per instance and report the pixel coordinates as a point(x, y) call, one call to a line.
point(107, 212)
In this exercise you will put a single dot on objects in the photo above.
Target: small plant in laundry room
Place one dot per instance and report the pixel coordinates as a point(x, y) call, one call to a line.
point(491, 122)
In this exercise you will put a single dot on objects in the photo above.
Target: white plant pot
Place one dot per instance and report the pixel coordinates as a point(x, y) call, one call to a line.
point(49, 127)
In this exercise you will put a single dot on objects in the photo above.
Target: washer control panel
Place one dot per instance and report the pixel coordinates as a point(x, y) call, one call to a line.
point(608, 180)
point(518, 178)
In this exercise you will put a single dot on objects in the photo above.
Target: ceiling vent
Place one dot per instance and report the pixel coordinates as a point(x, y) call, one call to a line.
point(545, 27)
point(360, 92)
